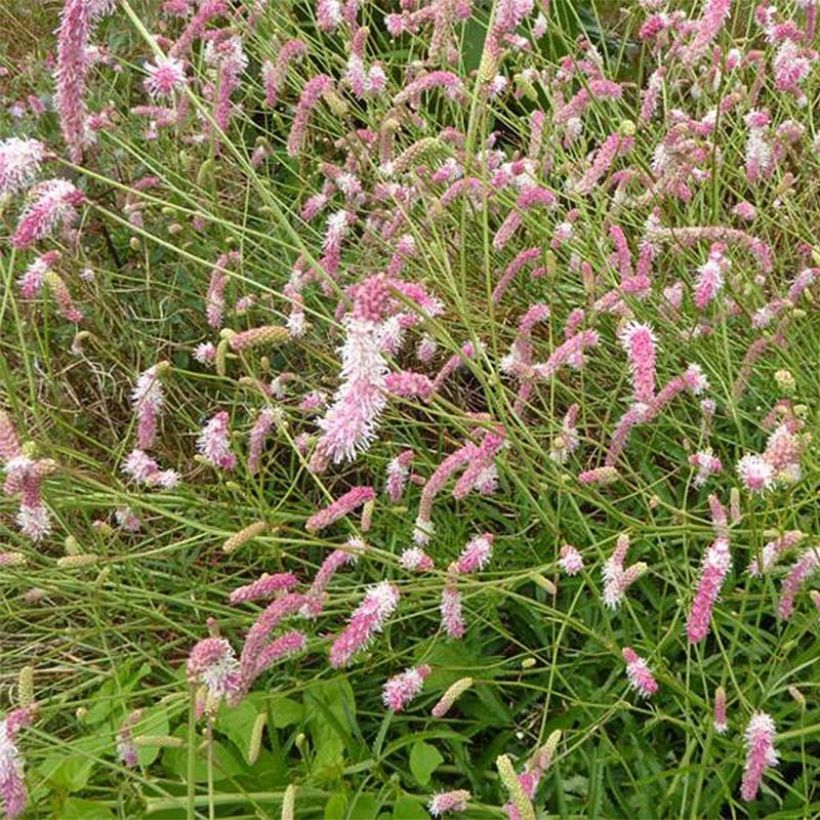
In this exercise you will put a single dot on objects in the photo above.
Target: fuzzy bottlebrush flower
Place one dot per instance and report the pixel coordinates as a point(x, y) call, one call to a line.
point(213, 664)
point(416, 559)
point(755, 473)
point(571, 561)
point(760, 753)
point(639, 343)
point(215, 299)
point(35, 275)
point(401, 689)
point(127, 750)
point(13, 795)
point(710, 276)
point(165, 76)
point(25, 475)
point(214, 442)
point(447, 802)
point(378, 605)
point(314, 599)
point(20, 161)
point(452, 617)
point(266, 587)
point(640, 677)
point(398, 470)
point(72, 66)
point(476, 555)
point(342, 506)
point(51, 203)
point(716, 564)
point(617, 578)
point(772, 552)
point(148, 399)
point(267, 418)
point(144, 470)
point(706, 465)
point(566, 442)
point(275, 74)
point(315, 88)
point(805, 566)
point(449, 698)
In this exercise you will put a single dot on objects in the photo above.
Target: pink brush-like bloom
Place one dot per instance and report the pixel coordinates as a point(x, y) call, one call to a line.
point(452, 618)
point(755, 473)
point(52, 203)
point(72, 66)
point(760, 753)
point(617, 578)
point(805, 566)
point(214, 442)
point(266, 419)
point(476, 555)
point(720, 720)
point(20, 161)
point(773, 551)
point(639, 343)
point(401, 689)
point(275, 74)
point(144, 470)
point(213, 664)
point(378, 605)
point(126, 748)
point(215, 300)
point(416, 559)
point(567, 353)
point(570, 561)
point(208, 9)
point(314, 90)
point(342, 506)
point(708, 27)
point(165, 77)
point(601, 476)
point(13, 794)
point(450, 82)
point(35, 275)
point(25, 476)
point(706, 465)
point(446, 802)
point(266, 587)
point(398, 470)
point(314, 600)
point(147, 399)
point(613, 146)
point(716, 565)
point(640, 677)
point(710, 277)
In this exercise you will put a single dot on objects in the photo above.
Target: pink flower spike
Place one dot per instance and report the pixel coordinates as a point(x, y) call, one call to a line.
point(401, 689)
point(805, 566)
point(706, 465)
point(20, 161)
point(716, 565)
point(214, 442)
point(476, 555)
point(379, 603)
point(710, 276)
point(398, 469)
point(445, 802)
point(639, 343)
point(773, 550)
point(213, 663)
point(256, 442)
point(266, 587)
point(53, 203)
point(416, 559)
point(640, 677)
point(755, 473)
point(452, 618)
point(571, 561)
point(760, 753)
point(147, 399)
point(342, 506)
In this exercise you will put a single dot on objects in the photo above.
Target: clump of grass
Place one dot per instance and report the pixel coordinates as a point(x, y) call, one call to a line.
point(409, 408)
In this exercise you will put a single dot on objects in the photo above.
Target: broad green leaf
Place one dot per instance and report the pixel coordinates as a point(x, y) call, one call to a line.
point(286, 712)
point(336, 806)
point(76, 809)
point(424, 760)
point(406, 808)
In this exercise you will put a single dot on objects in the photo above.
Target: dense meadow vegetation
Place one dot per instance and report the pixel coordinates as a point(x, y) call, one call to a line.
point(407, 409)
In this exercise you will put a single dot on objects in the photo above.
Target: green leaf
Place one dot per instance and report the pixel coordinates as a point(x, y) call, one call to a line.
point(286, 712)
point(424, 760)
point(405, 808)
point(154, 721)
point(76, 809)
point(237, 722)
point(365, 807)
point(331, 707)
point(336, 806)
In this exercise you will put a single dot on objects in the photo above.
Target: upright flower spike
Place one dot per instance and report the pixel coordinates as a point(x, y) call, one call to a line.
point(72, 66)
point(476, 555)
point(148, 399)
point(20, 161)
point(378, 605)
point(711, 276)
point(452, 617)
point(720, 720)
point(52, 203)
point(449, 698)
point(213, 664)
point(449, 802)
point(314, 600)
point(570, 561)
point(640, 677)
point(214, 442)
point(403, 688)
point(398, 470)
point(773, 550)
point(13, 794)
point(342, 506)
point(316, 88)
point(639, 343)
point(617, 578)
point(805, 566)
point(760, 753)
point(716, 565)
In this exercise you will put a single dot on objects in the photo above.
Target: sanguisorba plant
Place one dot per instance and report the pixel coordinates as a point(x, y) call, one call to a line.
point(408, 406)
